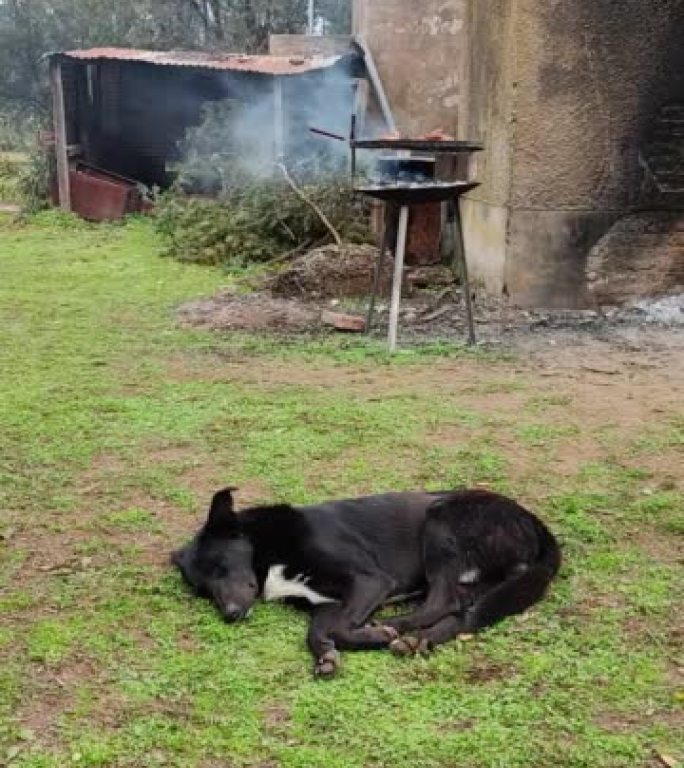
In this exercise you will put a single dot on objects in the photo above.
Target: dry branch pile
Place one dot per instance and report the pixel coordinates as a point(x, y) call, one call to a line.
point(332, 271)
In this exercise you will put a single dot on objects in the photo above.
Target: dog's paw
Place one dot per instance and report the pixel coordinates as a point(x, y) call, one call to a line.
point(407, 645)
point(386, 632)
point(390, 633)
point(328, 664)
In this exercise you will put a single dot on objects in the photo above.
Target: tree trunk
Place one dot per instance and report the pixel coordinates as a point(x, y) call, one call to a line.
point(217, 19)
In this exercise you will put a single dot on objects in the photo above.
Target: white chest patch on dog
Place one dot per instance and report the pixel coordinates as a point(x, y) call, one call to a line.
point(277, 587)
point(469, 577)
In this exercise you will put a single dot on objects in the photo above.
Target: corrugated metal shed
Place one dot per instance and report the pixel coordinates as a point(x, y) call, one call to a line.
point(127, 111)
point(235, 62)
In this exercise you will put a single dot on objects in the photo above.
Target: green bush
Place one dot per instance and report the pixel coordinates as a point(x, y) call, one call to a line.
point(25, 163)
point(258, 221)
point(33, 182)
point(232, 204)
point(16, 130)
point(12, 166)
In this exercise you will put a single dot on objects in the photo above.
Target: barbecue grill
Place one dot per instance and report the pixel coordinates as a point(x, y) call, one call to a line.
point(415, 193)
point(446, 146)
point(406, 178)
point(403, 188)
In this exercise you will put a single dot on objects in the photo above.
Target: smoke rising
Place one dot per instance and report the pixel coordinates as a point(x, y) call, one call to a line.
point(258, 121)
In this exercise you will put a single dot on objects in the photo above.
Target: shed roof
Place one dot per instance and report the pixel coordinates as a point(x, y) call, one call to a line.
point(236, 62)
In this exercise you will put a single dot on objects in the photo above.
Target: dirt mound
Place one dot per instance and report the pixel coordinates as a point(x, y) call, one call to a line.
point(253, 312)
point(332, 271)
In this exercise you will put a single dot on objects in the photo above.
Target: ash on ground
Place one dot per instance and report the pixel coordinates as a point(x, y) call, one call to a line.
point(666, 311)
point(298, 299)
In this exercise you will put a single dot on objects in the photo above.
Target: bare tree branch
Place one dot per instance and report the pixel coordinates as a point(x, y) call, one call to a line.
point(324, 219)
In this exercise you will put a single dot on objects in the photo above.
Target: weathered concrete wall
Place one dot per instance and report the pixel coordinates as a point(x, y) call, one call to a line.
point(485, 229)
point(546, 255)
point(420, 52)
point(488, 110)
point(564, 94)
point(642, 255)
point(490, 95)
point(590, 78)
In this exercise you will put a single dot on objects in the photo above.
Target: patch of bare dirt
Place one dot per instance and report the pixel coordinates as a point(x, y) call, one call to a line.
point(193, 470)
point(295, 298)
point(617, 722)
point(103, 464)
point(452, 436)
point(567, 458)
point(445, 376)
point(456, 726)
point(253, 312)
point(216, 764)
point(609, 392)
point(660, 467)
point(51, 552)
point(47, 554)
point(597, 376)
point(665, 548)
point(277, 717)
point(483, 672)
point(52, 693)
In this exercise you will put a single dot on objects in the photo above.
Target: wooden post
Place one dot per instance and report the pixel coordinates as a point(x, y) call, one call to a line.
point(59, 123)
point(311, 25)
point(398, 277)
point(278, 118)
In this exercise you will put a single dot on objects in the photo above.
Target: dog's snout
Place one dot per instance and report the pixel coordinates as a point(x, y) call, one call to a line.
point(232, 612)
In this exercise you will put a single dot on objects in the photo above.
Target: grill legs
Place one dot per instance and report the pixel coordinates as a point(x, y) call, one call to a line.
point(459, 265)
point(398, 278)
point(388, 230)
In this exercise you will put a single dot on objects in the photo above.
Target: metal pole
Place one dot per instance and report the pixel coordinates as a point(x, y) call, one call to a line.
point(398, 277)
point(352, 139)
point(459, 243)
point(379, 262)
point(378, 87)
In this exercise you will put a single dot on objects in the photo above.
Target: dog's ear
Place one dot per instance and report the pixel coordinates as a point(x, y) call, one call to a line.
point(222, 509)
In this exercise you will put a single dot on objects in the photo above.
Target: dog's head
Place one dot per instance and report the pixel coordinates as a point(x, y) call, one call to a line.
point(218, 562)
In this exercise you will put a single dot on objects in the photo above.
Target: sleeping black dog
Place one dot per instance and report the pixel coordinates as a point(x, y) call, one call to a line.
point(473, 557)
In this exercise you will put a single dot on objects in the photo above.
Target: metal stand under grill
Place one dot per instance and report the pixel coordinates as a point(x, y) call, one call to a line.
point(398, 195)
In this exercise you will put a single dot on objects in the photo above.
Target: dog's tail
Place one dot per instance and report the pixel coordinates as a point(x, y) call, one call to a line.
point(518, 593)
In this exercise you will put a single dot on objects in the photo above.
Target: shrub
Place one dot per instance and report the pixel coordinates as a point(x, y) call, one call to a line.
point(248, 211)
point(16, 130)
point(33, 182)
point(8, 178)
point(258, 221)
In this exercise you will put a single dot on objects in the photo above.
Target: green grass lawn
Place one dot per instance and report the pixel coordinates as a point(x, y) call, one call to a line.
point(115, 427)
